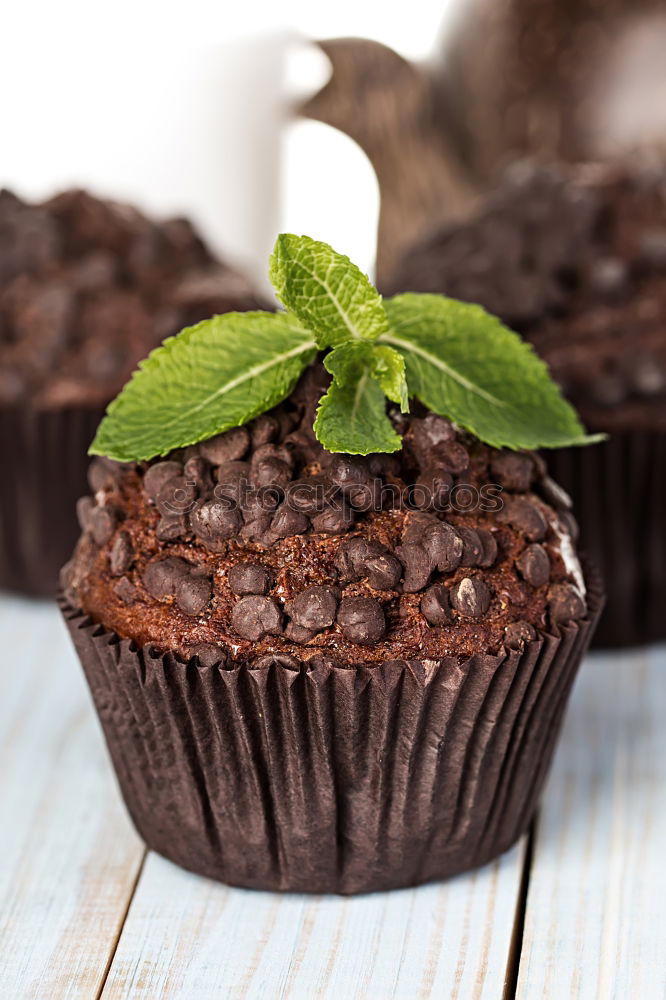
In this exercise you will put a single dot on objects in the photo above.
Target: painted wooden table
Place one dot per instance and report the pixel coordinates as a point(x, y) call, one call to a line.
point(578, 909)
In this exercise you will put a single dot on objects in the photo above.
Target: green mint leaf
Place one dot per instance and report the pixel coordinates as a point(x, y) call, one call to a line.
point(465, 364)
point(352, 416)
point(211, 377)
point(390, 371)
point(329, 294)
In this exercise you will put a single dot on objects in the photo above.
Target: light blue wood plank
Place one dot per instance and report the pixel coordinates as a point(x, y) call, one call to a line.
point(187, 937)
point(68, 855)
point(596, 912)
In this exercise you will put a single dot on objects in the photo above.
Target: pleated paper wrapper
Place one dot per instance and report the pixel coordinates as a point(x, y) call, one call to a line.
point(44, 460)
point(331, 779)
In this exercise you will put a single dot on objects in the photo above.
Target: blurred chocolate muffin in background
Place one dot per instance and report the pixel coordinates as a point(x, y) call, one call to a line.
point(87, 288)
point(575, 260)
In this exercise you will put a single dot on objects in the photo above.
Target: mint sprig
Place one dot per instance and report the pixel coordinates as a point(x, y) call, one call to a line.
point(455, 358)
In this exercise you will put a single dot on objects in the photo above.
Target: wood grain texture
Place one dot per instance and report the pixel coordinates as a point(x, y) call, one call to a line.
point(69, 857)
point(596, 906)
point(187, 937)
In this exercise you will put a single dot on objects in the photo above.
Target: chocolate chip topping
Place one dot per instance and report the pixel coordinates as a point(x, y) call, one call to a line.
point(314, 608)
point(249, 578)
point(518, 633)
point(209, 654)
point(254, 617)
point(227, 447)
point(161, 577)
point(214, 521)
point(513, 470)
point(470, 597)
point(565, 603)
point(435, 605)
point(122, 554)
point(158, 475)
point(361, 620)
point(102, 524)
point(193, 593)
point(526, 517)
point(534, 565)
point(193, 550)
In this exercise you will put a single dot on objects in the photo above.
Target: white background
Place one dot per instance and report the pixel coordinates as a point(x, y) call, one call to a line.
point(184, 108)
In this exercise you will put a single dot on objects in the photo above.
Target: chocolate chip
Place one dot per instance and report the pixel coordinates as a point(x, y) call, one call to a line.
point(525, 517)
point(255, 617)
point(258, 530)
point(84, 508)
point(472, 552)
point(314, 608)
point(103, 473)
point(161, 577)
point(361, 620)
point(233, 479)
point(193, 593)
point(435, 605)
point(470, 597)
point(296, 633)
point(121, 555)
point(280, 451)
point(360, 558)
point(158, 475)
point(307, 495)
point(288, 522)
point(214, 522)
point(451, 457)
point(126, 591)
point(103, 521)
point(417, 565)
point(170, 528)
point(513, 470)
point(264, 429)
point(197, 470)
point(270, 472)
point(431, 432)
point(553, 494)
point(533, 565)
point(432, 490)
point(275, 660)
point(489, 546)
point(349, 471)
point(177, 496)
point(333, 521)
point(227, 447)
point(443, 545)
point(249, 578)
point(517, 634)
point(565, 603)
point(208, 654)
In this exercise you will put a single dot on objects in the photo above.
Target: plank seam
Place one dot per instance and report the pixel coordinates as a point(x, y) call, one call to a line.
point(121, 925)
point(516, 945)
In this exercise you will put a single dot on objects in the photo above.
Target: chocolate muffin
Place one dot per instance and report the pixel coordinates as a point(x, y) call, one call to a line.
point(325, 672)
point(87, 288)
point(575, 260)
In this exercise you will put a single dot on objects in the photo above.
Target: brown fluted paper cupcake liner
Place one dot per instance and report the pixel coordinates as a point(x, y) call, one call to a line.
point(331, 779)
point(618, 490)
point(43, 455)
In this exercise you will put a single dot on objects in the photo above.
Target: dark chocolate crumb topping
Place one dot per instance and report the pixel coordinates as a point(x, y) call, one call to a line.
point(258, 543)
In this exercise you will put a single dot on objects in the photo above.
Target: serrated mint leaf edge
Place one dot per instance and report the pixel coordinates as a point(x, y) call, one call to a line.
point(120, 453)
point(278, 267)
